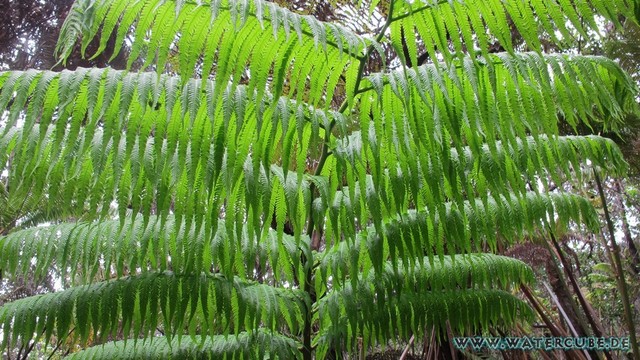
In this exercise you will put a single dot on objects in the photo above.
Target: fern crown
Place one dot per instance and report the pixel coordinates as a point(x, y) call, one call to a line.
point(263, 187)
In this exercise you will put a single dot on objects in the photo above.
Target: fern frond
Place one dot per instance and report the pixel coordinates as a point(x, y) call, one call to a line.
point(555, 156)
point(451, 29)
point(136, 305)
point(411, 118)
point(246, 345)
point(95, 136)
point(478, 224)
point(500, 169)
point(559, 156)
point(230, 38)
point(499, 87)
point(83, 251)
point(246, 214)
point(392, 304)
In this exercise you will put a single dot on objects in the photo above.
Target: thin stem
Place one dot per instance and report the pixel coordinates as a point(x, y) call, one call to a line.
point(311, 230)
point(363, 62)
point(59, 344)
point(597, 331)
point(620, 280)
point(555, 330)
point(413, 11)
point(566, 317)
point(633, 250)
point(407, 348)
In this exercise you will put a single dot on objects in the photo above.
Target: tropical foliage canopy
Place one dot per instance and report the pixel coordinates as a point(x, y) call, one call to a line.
point(256, 189)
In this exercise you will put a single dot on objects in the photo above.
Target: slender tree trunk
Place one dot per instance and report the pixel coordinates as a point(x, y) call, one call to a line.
point(553, 327)
point(620, 280)
point(565, 297)
point(633, 250)
point(586, 307)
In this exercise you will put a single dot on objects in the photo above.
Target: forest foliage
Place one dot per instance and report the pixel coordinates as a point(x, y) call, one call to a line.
point(258, 187)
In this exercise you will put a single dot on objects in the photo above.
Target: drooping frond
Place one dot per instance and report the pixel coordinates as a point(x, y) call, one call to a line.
point(393, 304)
point(414, 117)
point(498, 166)
point(530, 88)
point(254, 345)
point(461, 230)
point(147, 142)
point(83, 251)
point(135, 305)
point(454, 28)
point(183, 188)
point(563, 155)
point(579, 88)
point(231, 38)
point(21, 209)
point(92, 137)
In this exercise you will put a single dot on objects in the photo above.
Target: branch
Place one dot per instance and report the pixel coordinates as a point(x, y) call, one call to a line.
point(413, 11)
point(59, 343)
point(620, 280)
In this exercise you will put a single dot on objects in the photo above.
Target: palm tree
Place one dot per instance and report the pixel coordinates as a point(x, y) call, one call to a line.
point(222, 204)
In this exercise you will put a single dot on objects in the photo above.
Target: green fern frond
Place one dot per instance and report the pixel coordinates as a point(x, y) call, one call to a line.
point(413, 312)
point(393, 304)
point(411, 118)
point(243, 216)
point(478, 224)
point(480, 270)
point(137, 304)
point(246, 345)
point(222, 37)
point(95, 136)
point(478, 93)
point(562, 155)
point(556, 156)
point(81, 252)
point(450, 29)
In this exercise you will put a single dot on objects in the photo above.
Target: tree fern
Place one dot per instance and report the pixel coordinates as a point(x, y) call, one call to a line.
point(425, 296)
point(234, 207)
point(414, 232)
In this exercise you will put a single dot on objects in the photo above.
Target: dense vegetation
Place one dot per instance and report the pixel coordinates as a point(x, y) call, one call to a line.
point(266, 183)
